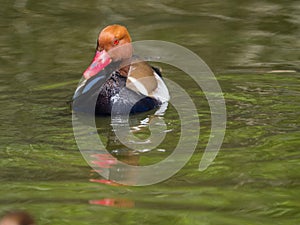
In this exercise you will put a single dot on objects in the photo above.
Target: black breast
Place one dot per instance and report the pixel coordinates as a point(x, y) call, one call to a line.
point(114, 92)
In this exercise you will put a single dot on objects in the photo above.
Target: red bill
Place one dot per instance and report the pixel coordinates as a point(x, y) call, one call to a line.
point(100, 61)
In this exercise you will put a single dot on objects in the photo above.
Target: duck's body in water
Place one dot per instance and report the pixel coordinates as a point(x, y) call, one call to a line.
point(122, 83)
point(114, 92)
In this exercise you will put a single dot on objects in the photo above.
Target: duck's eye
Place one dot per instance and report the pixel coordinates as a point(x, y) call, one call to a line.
point(116, 42)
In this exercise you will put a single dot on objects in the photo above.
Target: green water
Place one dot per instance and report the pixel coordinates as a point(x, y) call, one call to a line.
point(45, 46)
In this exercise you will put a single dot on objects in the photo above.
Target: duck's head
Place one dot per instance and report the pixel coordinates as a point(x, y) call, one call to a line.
point(113, 45)
point(17, 218)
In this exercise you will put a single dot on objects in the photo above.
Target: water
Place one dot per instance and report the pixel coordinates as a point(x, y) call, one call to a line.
point(252, 47)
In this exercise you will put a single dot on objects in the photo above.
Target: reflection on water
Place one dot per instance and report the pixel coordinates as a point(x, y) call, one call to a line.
point(121, 203)
point(117, 153)
point(253, 48)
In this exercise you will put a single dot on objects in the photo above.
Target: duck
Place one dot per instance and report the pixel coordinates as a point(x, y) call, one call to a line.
point(17, 218)
point(117, 81)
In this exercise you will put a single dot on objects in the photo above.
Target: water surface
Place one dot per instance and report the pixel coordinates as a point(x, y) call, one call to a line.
point(252, 47)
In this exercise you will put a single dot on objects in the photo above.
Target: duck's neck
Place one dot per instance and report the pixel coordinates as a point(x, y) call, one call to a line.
point(124, 71)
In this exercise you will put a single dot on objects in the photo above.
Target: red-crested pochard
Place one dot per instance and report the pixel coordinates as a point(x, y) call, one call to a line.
point(120, 80)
